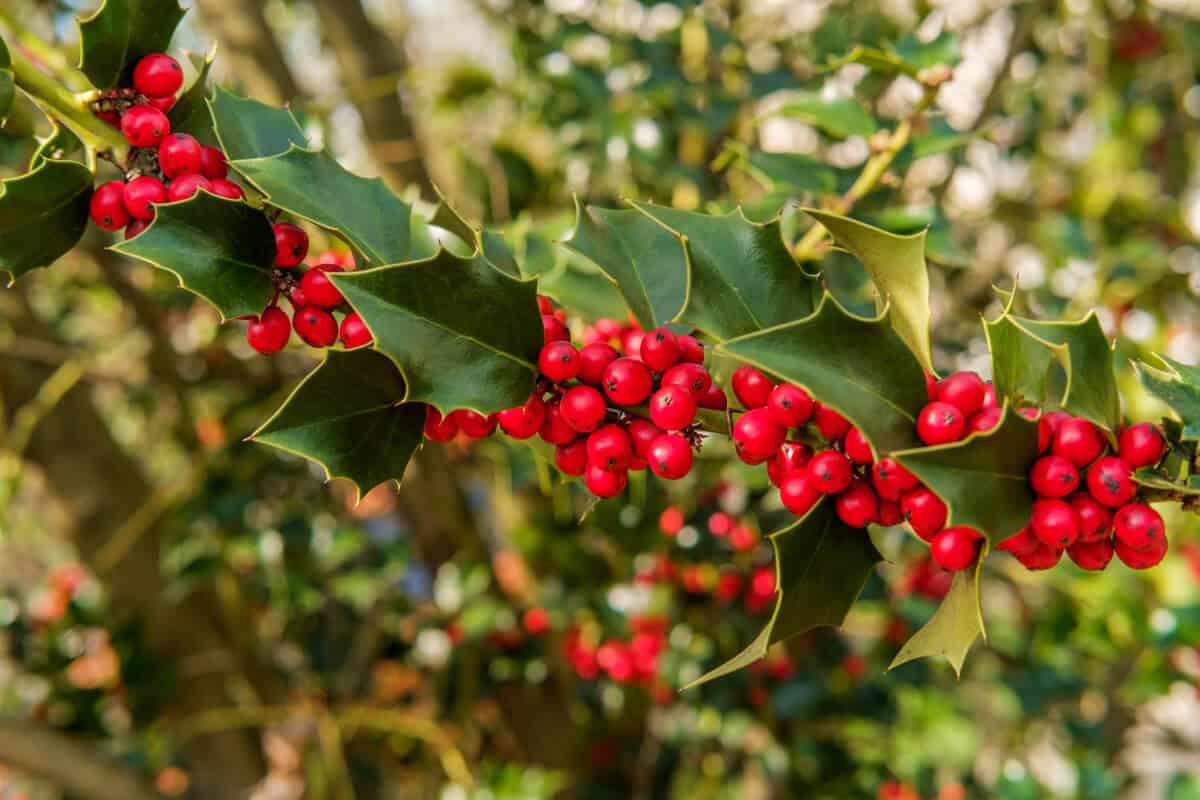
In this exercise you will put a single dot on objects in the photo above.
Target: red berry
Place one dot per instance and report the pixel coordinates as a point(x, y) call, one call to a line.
point(956, 548)
point(135, 227)
point(212, 163)
point(1044, 557)
point(798, 493)
point(672, 408)
point(924, 511)
point(940, 423)
point(593, 360)
point(315, 326)
point(524, 421)
point(291, 245)
point(830, 472)
point(1142, 445)
point(671, 520)
point(719, 524)
point(107, 206)
point(931, 383)
point(660, 349)
point(571, 458)
point(889, 513)
point(185, 186)
point(1138, 526)
point(631, 341)
point(610, 448)
point(1078, 440)
point(692, 377)
point(963, 390)
point(750, 387)
point(140, 193)
point(474, 424)
point(354, 332)
point(790, 406)
point(756, 436)
point(891, 479)
point(605, 483)
point(535, 621)
point(856, 447)
point(670, 456)
point(857, 506)
point(1095, 521)
point(989, 395)
point(437, 427)
point(792, 457)
point(1110, 481)
point(553, 330)
point(690, 349)
point(270, 332)
point(559, 361)
point(627, 382)
point(1091, 555)
point(642, 433)
point(1022, 543)
point(317, 287)
point(555, 429)
point(157, 75)
point(583, 408)
point(1144, 558)
point(163, 104)
point(832, 425)
point(987, 419)
point(545, 304)
point(714, 399)
point(1053, 476)
point(227, 189)
point(180, 154)
point(144, 126)
point(1054, 523)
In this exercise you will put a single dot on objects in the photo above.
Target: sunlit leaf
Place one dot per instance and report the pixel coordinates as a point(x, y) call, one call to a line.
point(953, 628)
point(119, 33)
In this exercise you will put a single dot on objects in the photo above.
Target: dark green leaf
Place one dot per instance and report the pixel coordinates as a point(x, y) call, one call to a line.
point(250, 129)
point(191, 114)
point(1021, 363)
point(221, 250)
point(840, 117)
point(939, 138)
point(1178, 385)
point(43, 213)
point(464, 334)
point(1151, 479)
point(115, 38)
point(346, 416)
point(796, 172)
point(919, 55)
point(953, 628)
point(489, 244)
point(821, 565)
point(60, 145)
point(7, 88)
point(858, 366)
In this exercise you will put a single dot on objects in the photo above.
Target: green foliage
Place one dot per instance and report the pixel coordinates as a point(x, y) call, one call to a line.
point(250, 129)
point(839, 117)
point(1178, 385)
point(119, 33)
point(953, 628)
point(490, 245)
point(61, 144)
point(191, 114)
point(7, 88)
point(43, 214)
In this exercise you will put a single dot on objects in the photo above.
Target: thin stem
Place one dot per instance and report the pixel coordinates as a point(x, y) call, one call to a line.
point(71, 109)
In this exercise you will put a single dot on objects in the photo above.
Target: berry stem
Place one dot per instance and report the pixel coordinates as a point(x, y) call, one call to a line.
point(68, 108)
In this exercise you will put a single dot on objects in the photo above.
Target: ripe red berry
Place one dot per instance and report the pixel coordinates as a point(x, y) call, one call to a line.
point(956, 548)
point(593, 360)
point(756, 436)
point(714, 399)
point(291, 245)
point(692, 377)
point(963, 390)
point(157, 75)
point(524, 421)
point(924, 511)
point(750, 387)
point(830, 472)
point(317, 287)
point(163, 104)
point(571, 458)
point(270, 332)
point(1044, 557)
point(1110, 481)
point(555, 429)
point(1138, 526)
point(891, 479)
point(535, 621)
point(1053, 476)
point(642, 433)
point(631, 341)
point(605, 483)
point(989, 395)
point(1095, 521)
point(545, 304)
point(107, 206)
point(474, 424)
point(1142, 445)
point(627, 382)
point(559, 361)
point(798, 493)
point(789, 405)
point(140, 193)
point(940, 423)
point(660, 349)
point(672, 408)
point(858, 506)
point(583, 408)
point(437, 427)
point(315, 326)
point(832, 425)
point(609, 447)
point(135, 227)
point(354, 332)
point(931, 382)
point(144, 126)
point(1054, 523)
point(671, 520)
point(1091, 555)
point(670, 456)
point(228, 189)
point(987, 419)
point(185, 186)
point(690, 349)
point(856, 447)
point(180, 154)
point(791, 457)
point(1022, 543)
point(1078, 440)
point(553, 330)
point(889, 514)
point(213, 164)
point(1143, 558)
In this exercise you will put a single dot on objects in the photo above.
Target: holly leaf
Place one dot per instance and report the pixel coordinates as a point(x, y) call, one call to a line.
point(953, 628)
point(741, 276)
point(897, 266)
point(642, 258)
point(190, 114)
point(1177, 385)
point(918, 55)
point(1021, 362)
point(858, 366)
point(250, 129)
point(43, 214)
point(1151, 479)
point(312, 185)
point(839, 117)
point(464, 334)
point(219, 249)
point(7, 87)
point(61, 144)
point(821, 566)
point(984, 479)
point(119, 33)
point(346, 415)
point(488, 244)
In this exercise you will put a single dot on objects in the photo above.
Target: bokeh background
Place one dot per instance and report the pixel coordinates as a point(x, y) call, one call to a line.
point(209, 619)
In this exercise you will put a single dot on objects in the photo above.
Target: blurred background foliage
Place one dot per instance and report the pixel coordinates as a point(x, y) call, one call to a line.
point(188, 615)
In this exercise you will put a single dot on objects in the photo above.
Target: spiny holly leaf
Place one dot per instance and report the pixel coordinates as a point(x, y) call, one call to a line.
point(464, 334)
point(821, 566)
point(1178, 385)
point(311, 184)
point(221, 250)
point(6, 81)
point(489, 244)
point(897, 266)
point(1021, 363)
point(953, 628)
point(43, 214)
point(1151, 479)
point(984, 479)
point(346, 416)
point(839, 117)
point(570, 279)
point(643, 259)
point(741, 276)
point(61, 144)
point(190, 114)
point(791, 171)
point(858, 366)
point(250, 129)
point(115, 38)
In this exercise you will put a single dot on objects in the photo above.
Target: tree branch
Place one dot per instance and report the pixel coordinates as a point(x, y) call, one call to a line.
point(70, 765)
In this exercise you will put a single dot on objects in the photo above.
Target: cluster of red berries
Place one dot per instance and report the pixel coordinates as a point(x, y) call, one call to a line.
point(162, 167)
point(633, 660)
point(313, 296)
